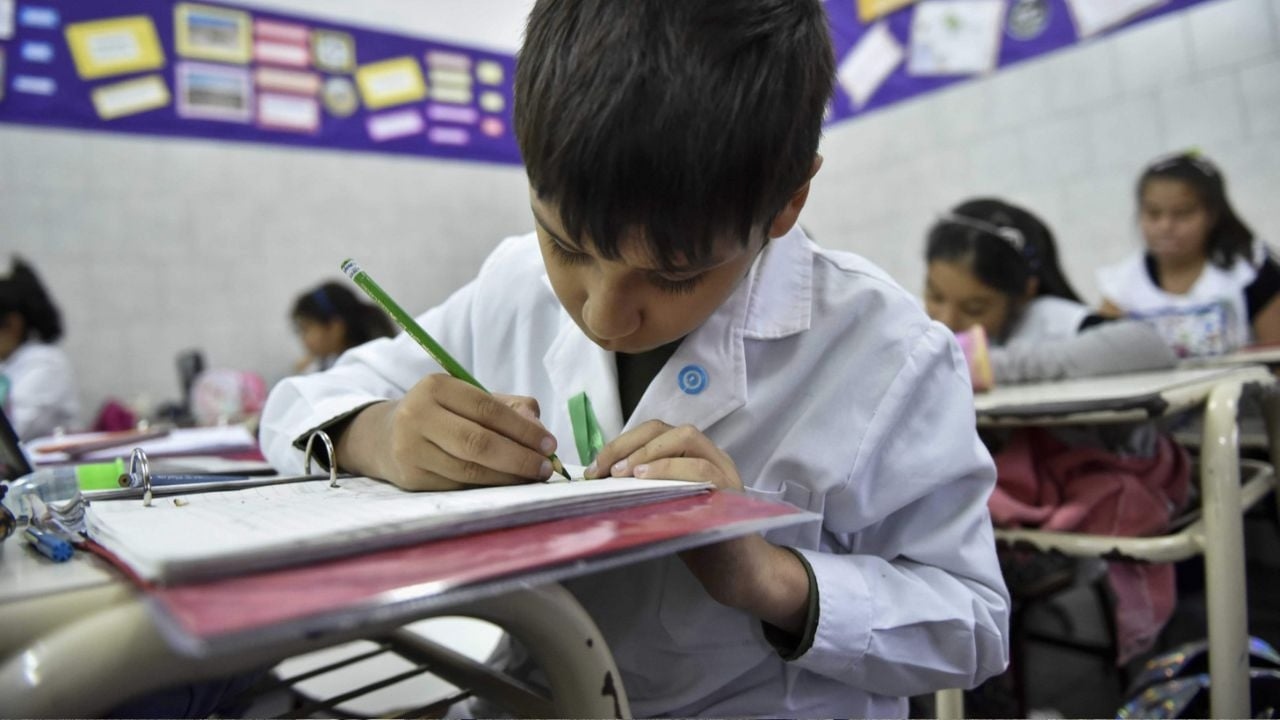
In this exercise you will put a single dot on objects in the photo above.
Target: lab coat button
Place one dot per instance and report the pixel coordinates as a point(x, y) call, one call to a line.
point(693, 379)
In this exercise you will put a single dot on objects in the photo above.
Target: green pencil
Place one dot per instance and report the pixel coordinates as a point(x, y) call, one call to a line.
point(416, 331)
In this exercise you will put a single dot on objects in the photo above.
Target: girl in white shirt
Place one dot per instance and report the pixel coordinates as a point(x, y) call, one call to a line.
point(995, 265)
point(1203, 279)
point(37, 384)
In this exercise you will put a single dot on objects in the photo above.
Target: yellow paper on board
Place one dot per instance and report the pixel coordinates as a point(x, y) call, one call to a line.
point(130, 97)
point(869, 10)
point(115, 46)
point(208, 32)
point(391, 82)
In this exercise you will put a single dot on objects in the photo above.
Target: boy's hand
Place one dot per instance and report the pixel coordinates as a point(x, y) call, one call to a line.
point(446, 434)
point(658, 450)
point(747, 572)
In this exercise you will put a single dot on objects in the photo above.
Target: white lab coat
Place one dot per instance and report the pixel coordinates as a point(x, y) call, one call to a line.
point(830, 389)
point(42, 393)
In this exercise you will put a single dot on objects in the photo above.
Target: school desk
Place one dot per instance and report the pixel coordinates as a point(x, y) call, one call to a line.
point(1218, 534)
point(1268, 355)
point(77, 638)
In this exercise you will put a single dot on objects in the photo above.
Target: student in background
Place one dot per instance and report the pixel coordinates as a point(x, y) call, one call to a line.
point(37, 384)
point(1203, 278)
point(668, 279)
point(994, 265)
point(330, 320)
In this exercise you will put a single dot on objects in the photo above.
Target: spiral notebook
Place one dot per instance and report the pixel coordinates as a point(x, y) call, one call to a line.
point(201, 536)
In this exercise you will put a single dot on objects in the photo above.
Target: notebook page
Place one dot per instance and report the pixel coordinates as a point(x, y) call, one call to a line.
point(232, 528)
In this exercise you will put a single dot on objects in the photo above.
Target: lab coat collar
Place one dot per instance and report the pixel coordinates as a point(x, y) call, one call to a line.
point(706, 378)
point(781, 300)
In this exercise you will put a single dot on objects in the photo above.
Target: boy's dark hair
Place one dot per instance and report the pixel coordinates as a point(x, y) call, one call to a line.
point(1229, 237)
point(24, 294)
point(1003, 245)
point(334, 301)
point(684, 120)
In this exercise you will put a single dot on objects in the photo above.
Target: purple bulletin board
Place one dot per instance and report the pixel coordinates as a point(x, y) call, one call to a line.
point(892, 50)
point(219, 71)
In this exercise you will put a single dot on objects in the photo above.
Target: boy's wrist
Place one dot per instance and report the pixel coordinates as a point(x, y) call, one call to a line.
point(761, 579)
point(358, 440)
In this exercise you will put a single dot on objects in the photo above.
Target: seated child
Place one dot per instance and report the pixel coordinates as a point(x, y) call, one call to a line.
point(669, 149)
point(1203, 280)
point(330, 320)
point(37, 382)
point(993, 266)
point(993, 271)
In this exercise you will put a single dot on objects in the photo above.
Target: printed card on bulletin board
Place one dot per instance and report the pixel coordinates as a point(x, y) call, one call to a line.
point(130, 97)
point(391, 82)
point(869, 10)
point(955, 37)
point(1094, 16)
point(206, 32)
point(862, 72)
point(214, 92)
point(116, 46)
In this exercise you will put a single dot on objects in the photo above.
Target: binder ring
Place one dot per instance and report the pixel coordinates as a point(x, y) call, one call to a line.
point(328, 447)
point(140, 467)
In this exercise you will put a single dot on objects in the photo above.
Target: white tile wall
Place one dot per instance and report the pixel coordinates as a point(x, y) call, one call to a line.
point(1126, 132)
point(1154, 53)
point(154, 246)
point(1082, 76)
point(1260, 87)
point(1203, 111)
point(1225, 34)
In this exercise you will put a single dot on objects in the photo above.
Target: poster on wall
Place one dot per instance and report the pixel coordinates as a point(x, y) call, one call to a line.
point(218, 71)
point(888, 51)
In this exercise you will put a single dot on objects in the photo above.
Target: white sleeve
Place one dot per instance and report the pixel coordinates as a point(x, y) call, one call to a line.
point(1110, 348)
point(42, 397)
point(382, 369)
point(916, 601)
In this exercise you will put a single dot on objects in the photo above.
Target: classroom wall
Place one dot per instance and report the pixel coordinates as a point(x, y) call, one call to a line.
point(153, 246)
point(1066, 135)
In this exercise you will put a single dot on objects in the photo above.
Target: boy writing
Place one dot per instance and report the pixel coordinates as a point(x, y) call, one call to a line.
point(669, 148)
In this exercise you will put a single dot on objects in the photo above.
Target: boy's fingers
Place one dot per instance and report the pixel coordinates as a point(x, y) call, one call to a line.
point(706, 461)
point(623, 446)
point(493, 412)
point(526, 406)
point(477, 455)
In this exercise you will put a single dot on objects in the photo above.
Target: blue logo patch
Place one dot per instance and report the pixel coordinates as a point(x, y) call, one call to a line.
point(692, 379)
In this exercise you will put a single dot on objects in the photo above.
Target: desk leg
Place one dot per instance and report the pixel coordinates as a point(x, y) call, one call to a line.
point(1271, 414)
point(565, 642)
point(87, 667)
point(1224, 555)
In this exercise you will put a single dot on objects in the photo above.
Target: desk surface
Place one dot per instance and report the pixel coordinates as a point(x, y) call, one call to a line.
point(1268, 355)
point(1116, 398)
point(394, 586)
point(389, 587)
